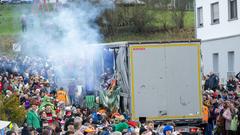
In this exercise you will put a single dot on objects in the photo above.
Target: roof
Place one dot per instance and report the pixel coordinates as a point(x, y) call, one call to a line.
point(126, 43)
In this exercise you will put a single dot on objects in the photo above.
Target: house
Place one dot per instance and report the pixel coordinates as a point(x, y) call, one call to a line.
point(218, 26)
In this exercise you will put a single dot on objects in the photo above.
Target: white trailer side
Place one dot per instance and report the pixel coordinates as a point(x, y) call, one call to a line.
point(165, 80)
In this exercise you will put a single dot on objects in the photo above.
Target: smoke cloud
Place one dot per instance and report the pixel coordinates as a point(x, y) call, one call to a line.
point(65, 36)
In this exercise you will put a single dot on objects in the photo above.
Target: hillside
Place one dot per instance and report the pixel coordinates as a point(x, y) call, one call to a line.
point(159, 27)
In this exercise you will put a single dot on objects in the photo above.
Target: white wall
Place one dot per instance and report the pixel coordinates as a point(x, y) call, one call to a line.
point(222, 47)
point(224, 28)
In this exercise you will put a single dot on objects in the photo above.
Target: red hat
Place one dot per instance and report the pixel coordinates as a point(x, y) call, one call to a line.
point(132, 123)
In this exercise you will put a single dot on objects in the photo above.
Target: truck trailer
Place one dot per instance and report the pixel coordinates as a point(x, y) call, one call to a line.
point(160, 80)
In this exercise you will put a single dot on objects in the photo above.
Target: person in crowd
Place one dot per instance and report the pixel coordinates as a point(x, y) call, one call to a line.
point(11, 133)
point(150, 128)
point(61, 95)
point(24, 23)
point(168, 130)
point(231, 84)
point(212, 81)
point(120, 124)
point(25, 130)
point(50, 114)
point(227, 114)
point(33, 119)
point(72, 89)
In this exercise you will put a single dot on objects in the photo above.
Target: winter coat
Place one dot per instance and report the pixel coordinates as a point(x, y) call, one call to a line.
point(33, 119)
point(121, 126)
point(213, 81)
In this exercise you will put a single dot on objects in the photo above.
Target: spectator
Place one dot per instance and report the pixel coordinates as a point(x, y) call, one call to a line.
point(11, 133)
point(227, 114)
point(72, 88)
point(24, 23)
point(220, 123)
point(62, 96)
point(49, 113)
point(167, 130)
point(213, 81)
point(231, 84)
point(25, 130)
point(33, 119)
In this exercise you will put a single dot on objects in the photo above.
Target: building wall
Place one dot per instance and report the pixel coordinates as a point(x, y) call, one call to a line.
point(222, 47)
point(224, 28)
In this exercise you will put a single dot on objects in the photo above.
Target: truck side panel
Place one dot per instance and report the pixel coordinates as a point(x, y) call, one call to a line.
point(165, 81)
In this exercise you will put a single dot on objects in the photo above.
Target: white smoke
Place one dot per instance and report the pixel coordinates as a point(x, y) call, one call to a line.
point(65, 35)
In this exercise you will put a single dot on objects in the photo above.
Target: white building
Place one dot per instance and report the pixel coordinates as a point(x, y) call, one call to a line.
point(218, 26)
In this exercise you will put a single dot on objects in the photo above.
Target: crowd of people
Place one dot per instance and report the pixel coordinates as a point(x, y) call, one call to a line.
point(50, 110)
point(222, 105)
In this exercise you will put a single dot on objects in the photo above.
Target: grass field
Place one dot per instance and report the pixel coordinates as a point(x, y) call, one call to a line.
point(10, 26)
point(161, 17)
point(10, 18)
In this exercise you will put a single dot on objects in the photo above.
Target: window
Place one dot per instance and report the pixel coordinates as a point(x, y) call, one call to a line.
point(232, 9)
point(215, 13)
point(200, 16)
point(231, 61)
point(215, 62)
